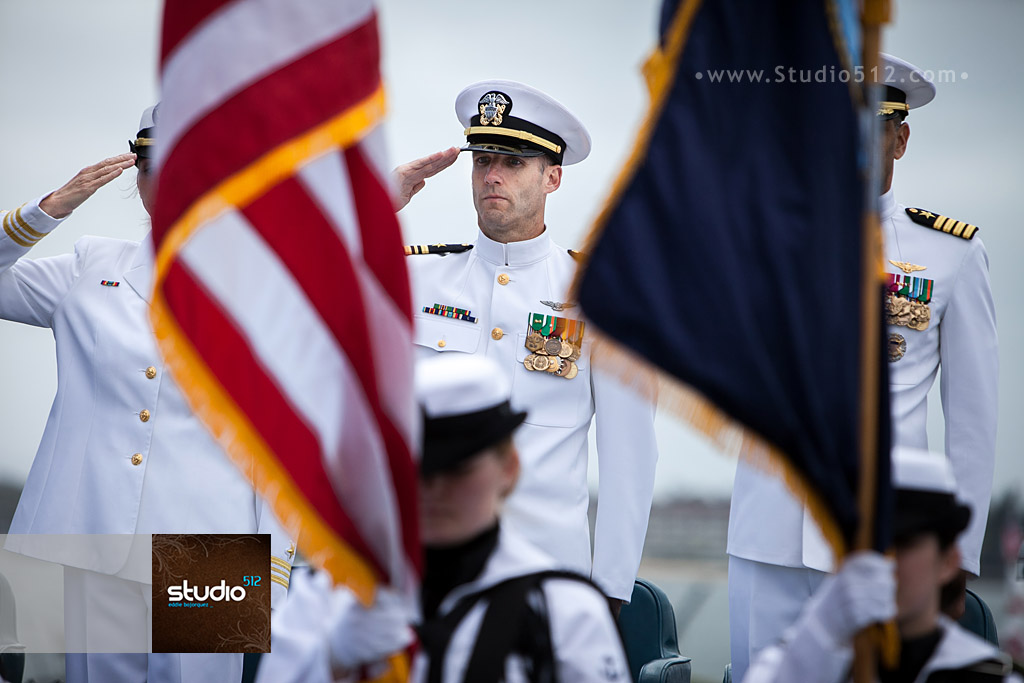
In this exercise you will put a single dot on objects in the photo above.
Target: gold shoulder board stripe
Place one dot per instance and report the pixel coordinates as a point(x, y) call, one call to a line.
point(942, 223)
point(578, 255)
point(278, 580)
point(442, 249)
point(278, 563)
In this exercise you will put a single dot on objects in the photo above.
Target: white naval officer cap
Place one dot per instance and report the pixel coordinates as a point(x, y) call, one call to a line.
point(505, 117)
point(906, 87)
point(926, 495)
point(143, 144)
point(466, 409)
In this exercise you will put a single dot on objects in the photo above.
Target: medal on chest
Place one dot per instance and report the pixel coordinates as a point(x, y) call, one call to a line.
point(906, 301)
point(555, 345)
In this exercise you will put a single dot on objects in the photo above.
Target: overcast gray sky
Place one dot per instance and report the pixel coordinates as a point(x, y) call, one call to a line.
point(76, 75)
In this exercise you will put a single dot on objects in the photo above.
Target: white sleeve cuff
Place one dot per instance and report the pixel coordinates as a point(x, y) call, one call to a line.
point(38, 219)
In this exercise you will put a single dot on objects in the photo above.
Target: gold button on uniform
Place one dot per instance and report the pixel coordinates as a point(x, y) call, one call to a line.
point(150, 372)
point(503, 279)
point(144, 416)
point(441, 344)
point(497, 333)
point(137, 459)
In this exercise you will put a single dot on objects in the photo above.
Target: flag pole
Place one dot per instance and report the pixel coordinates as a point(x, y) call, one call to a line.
point(876, 13)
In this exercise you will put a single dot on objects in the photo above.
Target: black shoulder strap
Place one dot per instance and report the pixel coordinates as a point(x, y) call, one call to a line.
point(436, 634)
point(513, 624)
point(500, 630)
point(506, 618)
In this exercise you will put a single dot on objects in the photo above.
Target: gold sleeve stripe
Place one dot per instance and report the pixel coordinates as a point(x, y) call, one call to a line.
point(25, 227)
point(283, 572)
point(278, 580)
point(278, 562)
point(15, 237)
point(21, 228)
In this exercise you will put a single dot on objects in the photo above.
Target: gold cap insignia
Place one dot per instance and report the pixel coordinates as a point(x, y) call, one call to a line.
point(492, 106)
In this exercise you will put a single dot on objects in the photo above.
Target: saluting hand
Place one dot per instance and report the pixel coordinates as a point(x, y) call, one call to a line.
point(60, 203)
point(411, 177)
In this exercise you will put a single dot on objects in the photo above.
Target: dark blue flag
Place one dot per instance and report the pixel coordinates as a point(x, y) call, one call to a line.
point(731, 253)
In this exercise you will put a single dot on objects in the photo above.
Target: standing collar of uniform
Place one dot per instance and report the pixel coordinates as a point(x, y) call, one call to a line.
point(140, 274)
point(887, 205)
point(513, 253)
point(514, 556)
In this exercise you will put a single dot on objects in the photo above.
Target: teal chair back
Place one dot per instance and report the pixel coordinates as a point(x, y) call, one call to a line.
point(648, 626)
point(978, 618)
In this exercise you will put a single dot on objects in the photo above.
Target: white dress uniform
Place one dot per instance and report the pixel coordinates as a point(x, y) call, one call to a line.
point(121, 452)
point(584, 641)
point(501, 285)
point(827, 662)
point(961, 337)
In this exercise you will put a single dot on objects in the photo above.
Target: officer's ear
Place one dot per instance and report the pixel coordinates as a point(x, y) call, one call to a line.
point(949, 560)
point(508, 456)
point(552, 178)
point(902, 137)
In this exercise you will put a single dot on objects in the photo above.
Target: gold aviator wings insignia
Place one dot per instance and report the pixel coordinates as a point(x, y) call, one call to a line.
point(907, 267)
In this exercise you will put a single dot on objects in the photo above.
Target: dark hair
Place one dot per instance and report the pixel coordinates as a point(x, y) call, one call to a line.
point(952, 592)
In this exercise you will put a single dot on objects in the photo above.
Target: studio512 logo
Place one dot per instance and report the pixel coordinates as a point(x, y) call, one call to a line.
point(184, 595)
point(211, 593)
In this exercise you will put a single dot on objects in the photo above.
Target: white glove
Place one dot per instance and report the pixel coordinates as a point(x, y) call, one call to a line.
point(863, 592)
point(360, 636)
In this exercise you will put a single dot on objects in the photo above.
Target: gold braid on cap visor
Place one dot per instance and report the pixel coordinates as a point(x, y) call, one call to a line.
point(521, 134)
point(144, 142)
point(886, 108)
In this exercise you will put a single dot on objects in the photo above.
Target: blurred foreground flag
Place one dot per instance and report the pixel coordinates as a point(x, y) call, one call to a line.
point(729, 255)
point(281, 298)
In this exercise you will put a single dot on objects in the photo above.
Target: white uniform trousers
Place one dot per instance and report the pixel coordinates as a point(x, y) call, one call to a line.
point(105, 615)
point(764, 600)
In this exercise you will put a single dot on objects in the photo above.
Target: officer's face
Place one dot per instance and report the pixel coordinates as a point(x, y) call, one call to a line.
point(922, 568)
point(456, 506)
point(894, 145)
point(146, 184)
point(509, 194)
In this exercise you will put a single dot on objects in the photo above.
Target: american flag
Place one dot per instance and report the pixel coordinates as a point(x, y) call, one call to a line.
point(281, 297)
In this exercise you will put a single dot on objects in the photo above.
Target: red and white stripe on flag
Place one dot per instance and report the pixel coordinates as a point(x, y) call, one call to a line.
point(282, 300)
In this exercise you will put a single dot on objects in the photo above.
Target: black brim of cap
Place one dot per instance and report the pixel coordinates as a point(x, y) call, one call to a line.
point(502, 149)
point(140, 151)
point(450, 441)
point(919, 512)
